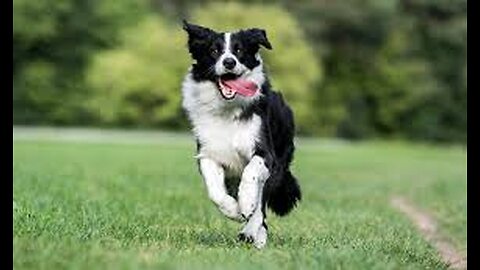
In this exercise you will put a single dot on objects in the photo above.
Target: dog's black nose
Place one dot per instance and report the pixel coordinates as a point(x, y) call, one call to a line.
point(229, 63)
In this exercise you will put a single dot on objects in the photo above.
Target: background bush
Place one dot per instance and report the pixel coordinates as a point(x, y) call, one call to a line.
point(138, 82)
point(354, 69)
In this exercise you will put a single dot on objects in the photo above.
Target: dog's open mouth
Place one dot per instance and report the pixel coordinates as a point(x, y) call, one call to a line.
point(230, 84)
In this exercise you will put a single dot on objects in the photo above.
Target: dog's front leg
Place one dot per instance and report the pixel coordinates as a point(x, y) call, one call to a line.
point(250, 196)
point(251, 185)
point(255, 230)
point(213, 176)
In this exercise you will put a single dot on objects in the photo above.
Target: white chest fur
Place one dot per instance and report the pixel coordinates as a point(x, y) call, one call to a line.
point(223, 138)
point(229, 142)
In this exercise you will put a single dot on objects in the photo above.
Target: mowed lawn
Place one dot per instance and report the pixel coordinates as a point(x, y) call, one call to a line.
point(99, 202)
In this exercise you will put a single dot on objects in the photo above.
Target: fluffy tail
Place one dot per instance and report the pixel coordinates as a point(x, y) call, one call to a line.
point(282, 193)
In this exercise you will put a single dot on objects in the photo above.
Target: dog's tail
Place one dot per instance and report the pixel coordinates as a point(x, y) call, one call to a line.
point(282, 193)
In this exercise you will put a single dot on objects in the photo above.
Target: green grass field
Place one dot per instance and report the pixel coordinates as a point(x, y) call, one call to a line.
point(136, 201)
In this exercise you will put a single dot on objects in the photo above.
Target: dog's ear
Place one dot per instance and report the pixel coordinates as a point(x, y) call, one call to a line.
point(259, 37)
point(196, 31)
point(198, 38)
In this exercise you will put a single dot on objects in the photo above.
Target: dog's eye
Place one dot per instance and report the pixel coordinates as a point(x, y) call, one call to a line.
point(214, 51)
point(238, 50)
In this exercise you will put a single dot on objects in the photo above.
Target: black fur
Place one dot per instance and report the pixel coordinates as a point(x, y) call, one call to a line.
point(246, 43)
point(205, 47)
point(281, 191)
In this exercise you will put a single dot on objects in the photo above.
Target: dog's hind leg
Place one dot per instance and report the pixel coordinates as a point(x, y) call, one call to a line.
point(214, 178)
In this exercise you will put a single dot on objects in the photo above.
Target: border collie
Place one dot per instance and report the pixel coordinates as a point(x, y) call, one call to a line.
point(243, 129)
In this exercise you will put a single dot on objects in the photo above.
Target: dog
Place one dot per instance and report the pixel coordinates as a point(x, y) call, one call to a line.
point(243, 129)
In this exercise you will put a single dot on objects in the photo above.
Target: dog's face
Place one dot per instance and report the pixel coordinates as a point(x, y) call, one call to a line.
point(227, 59)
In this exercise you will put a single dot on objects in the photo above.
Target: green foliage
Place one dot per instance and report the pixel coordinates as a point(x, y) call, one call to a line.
point(32, 23)
point(393, 68)
point(37, 82)
point(138, 82)
point(61, 36)
point(443, 41)
point(292, 66)
point(353, 68)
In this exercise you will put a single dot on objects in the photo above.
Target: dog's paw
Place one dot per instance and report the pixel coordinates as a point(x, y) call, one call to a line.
point(261, 238)
point(243, 237)
point(230, 208)
point(258, 238)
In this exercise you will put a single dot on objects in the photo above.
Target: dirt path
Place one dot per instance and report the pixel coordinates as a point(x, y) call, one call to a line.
point(428, 227)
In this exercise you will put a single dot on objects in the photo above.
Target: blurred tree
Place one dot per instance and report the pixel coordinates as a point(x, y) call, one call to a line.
point(352, 68)
point(292, 64)
point(442, 35)
point(138, 83)
point(348, 36)
point(392, 68)
point(52, 42)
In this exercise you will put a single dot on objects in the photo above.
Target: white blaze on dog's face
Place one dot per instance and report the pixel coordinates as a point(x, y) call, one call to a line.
point(230, 60)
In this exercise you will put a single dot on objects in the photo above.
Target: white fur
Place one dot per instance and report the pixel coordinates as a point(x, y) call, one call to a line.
point(254, 176)
point(213, 176)
point(226, 141)
point(239, 67)
point(228, 144)
point(254, 228)
point(250, 198)
point(224, 138)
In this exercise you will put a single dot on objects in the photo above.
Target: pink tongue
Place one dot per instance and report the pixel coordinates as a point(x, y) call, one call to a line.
point(243, 87)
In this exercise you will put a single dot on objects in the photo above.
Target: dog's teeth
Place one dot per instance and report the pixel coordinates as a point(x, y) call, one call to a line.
point(226, 92)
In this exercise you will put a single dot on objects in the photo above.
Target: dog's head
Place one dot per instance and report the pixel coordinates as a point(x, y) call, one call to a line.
point(230, 60)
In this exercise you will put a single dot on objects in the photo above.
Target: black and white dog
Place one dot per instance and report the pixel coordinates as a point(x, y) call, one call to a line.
point(244, 130)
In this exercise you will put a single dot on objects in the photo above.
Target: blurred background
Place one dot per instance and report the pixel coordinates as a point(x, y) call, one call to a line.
point(355, 69)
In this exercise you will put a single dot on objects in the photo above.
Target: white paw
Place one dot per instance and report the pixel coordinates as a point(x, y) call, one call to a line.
point(229, 207)
point(261, 238)
point(254, 235)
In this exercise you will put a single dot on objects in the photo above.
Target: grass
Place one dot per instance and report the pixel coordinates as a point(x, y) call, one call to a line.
point(132, 203)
